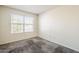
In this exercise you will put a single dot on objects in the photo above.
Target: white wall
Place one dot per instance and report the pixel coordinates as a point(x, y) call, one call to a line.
point(61, 25)
point(5, 30)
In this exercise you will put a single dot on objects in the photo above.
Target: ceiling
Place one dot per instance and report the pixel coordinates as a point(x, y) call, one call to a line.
point(36, 9)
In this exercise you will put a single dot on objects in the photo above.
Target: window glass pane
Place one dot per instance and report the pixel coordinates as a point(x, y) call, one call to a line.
point(28, 28)
point(16, 18)
point(16, 28)
point(29, 20)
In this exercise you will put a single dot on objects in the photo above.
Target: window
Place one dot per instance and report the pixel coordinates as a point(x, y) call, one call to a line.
point(20, 23)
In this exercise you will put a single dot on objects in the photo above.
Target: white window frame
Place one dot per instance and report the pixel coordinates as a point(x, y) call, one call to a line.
point(23, 30)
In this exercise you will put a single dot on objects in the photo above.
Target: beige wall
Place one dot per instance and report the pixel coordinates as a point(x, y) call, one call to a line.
point(5, 30)
point(61, 26)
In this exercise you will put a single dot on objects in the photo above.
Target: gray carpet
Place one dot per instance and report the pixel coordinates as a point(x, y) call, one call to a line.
point(34, 45)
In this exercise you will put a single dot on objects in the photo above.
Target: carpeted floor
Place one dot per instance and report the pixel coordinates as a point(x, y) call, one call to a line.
point(34, 45)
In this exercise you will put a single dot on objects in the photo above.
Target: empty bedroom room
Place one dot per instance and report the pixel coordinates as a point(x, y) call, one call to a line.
point(39, 29)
